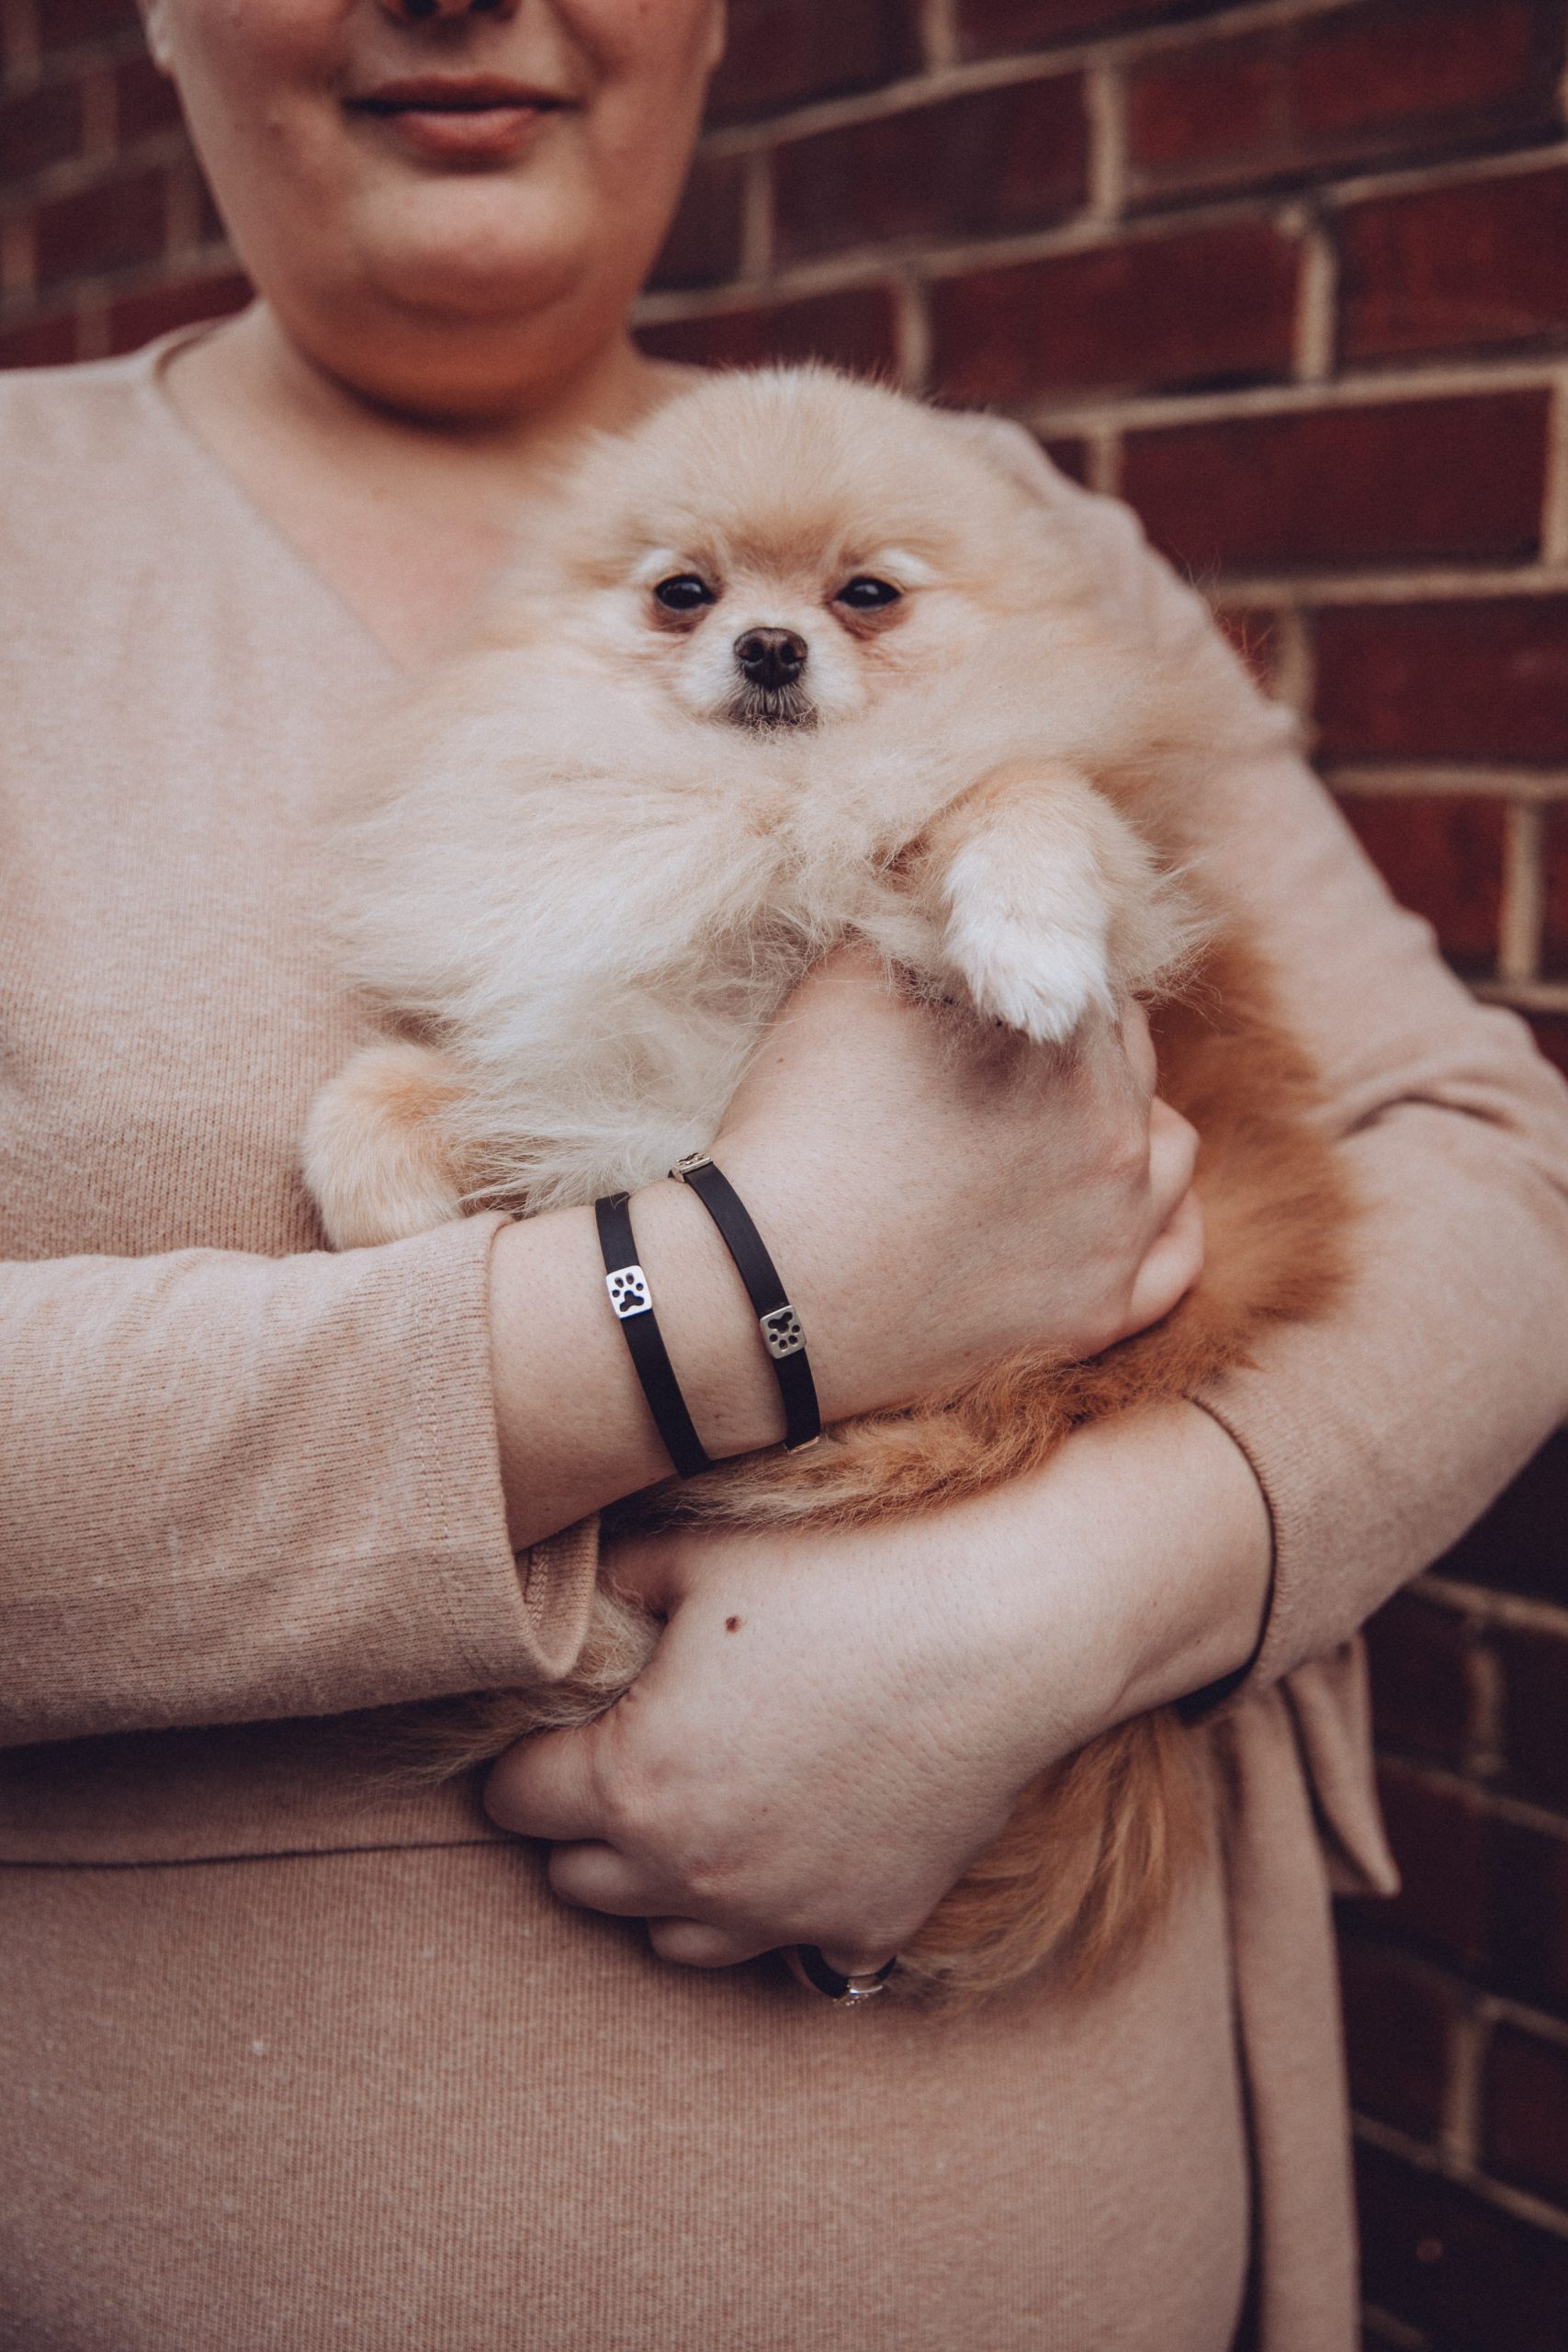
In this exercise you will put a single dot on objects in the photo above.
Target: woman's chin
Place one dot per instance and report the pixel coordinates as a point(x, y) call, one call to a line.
point(435, 333)
point(465, 252)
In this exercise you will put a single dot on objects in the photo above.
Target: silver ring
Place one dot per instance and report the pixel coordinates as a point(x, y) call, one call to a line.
point(806, 1964)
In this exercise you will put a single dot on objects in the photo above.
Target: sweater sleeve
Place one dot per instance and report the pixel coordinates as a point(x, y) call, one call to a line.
point(1381, 1432)
point(237, 1487)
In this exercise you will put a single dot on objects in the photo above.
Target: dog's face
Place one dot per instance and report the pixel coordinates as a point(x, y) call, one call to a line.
point(789, 550)
point(782, 642)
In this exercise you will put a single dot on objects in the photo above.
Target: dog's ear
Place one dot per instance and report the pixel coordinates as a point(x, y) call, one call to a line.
point(1007, 450)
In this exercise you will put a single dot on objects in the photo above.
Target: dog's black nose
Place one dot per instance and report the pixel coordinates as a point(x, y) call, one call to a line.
point(770, 657)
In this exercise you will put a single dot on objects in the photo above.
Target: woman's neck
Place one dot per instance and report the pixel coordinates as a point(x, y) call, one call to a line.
point(407, 518)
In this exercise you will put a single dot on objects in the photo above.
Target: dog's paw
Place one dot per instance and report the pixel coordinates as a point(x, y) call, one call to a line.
point(375, 1161)
point(1043, 982)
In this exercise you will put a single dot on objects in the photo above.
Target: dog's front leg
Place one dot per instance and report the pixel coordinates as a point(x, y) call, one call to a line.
point(1048, 906)
point(377, 1161)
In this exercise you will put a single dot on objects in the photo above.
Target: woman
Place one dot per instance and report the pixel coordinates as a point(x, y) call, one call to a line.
point(313, 2056)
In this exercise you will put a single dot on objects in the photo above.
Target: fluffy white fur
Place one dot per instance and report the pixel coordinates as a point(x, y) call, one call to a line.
point(583, 870)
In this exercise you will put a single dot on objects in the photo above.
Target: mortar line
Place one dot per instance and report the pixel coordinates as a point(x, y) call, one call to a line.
point(1105, 105)
point(757, 215)
point(939, 33)
point(931, 84)
point(1513, 1610)
point(1441, 780)
point(1524, 892)
point(1421, 2157)
point(1431, 583)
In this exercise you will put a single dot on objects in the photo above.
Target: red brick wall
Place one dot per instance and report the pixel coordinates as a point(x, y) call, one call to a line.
point(1293, 276)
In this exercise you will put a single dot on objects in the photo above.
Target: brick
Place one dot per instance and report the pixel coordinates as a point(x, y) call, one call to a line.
point(991, 161)
point(135, 319)
point(703, 247)
point(1191, 110)
point(108, 227)
point(1458, 679)
point(1398, 2015)
point(1427, 1690)
point(1528, 1880)
point(1213, 306)
point(1386, 78)
point(1439, 1840)
point(1524, 2111)
point(47, 341)
point(1442, 2259)
point(212, 229)
point(1519, 1544)
point(1554, 942)
point(1456, 477)
point(1476, 267)
point(67, 24)
point(145, 101)
point(40, 128)
point(1551, 1035)
point(854, 328)
point(1443, 858)
point(1007, 28)
point(782, 52)
point(1535, 1713)
point(1070, 456)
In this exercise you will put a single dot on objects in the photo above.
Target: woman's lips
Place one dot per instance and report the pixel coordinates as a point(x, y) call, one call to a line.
point(465, 123)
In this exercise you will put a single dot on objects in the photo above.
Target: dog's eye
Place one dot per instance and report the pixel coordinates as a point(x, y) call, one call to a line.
point(686, 592)
point(864, 594)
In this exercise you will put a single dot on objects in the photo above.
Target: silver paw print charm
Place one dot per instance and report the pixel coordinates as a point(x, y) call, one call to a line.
point(628, 1292)
point(782, 1331)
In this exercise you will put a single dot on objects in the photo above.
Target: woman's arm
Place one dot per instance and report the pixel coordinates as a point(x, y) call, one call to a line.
point(235, 1488)
point(1381, 1432)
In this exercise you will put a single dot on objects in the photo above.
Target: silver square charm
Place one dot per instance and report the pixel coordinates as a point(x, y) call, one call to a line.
point(689, 1160)
point(630, 1293)
point(782, 1331)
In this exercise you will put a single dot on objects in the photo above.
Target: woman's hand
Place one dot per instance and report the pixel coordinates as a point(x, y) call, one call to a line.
point(836, 1724)
point(934, 1195)
point(938, 1195)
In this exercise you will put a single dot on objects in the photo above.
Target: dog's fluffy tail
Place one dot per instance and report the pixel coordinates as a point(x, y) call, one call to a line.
point(1084, 1871)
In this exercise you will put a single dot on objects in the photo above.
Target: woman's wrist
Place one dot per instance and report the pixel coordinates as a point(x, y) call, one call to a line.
point(718, 1351)
point(1147, 1544)
point(574, 1428)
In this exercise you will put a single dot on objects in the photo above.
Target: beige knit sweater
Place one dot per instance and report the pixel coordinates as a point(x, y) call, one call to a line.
point(311, 2058)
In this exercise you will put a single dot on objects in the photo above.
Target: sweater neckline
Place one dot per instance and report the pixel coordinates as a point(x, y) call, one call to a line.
point(146, 369)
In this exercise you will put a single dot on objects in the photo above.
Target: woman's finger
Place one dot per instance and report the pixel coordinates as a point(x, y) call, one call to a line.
point(595, 1877)
point(690, 1944)
point(1171, 1266)
point(849, 1963)
point(1173, 1158)
point(547, 1786)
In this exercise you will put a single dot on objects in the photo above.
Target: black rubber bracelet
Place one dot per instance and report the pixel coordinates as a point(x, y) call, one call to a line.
point(632, 1300)
point(779, 1323)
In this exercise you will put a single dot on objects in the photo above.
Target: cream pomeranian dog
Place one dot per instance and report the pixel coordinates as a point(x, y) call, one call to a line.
point(798, 659)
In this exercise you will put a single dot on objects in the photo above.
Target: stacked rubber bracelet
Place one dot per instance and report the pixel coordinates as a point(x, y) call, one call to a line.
point(631, 1298)
point(776, 1318)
